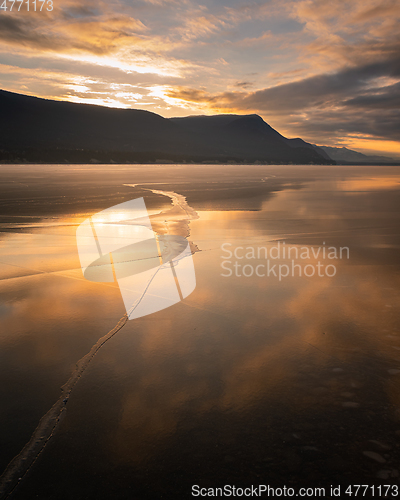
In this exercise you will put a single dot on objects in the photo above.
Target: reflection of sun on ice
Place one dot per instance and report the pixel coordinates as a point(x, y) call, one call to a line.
point(154, 269)
point(114, 216)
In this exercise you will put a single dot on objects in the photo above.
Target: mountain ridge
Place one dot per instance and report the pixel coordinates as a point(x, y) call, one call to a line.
point(34, 130)
point(348, 155)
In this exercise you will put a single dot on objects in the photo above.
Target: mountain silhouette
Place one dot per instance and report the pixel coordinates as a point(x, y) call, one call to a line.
point(40, 130)
point(344, 155)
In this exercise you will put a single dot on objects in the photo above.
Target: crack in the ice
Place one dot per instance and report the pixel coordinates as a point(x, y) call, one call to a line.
point(21, 464)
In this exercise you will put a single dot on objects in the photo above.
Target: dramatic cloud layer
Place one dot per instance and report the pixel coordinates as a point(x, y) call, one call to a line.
point(326, 71)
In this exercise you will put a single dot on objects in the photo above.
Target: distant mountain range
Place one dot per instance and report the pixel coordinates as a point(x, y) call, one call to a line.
point(341, 155)
point(37, 130)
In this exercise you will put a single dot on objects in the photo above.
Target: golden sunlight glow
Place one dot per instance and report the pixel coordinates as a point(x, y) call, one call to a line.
point(106, 101)
point(374, 183)
point(379, 146)
point(162, 92)
point(145, 65)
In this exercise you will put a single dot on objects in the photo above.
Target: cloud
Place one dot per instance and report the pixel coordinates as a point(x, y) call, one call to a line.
point(102, 35)
point(301, 94)
point(325, 105)
point(23, 31)
point(243, 85)
point(101, 38)
point(378, 98)
point(260, 41)
point(347, 31)
point(80, 11)
point(322, 89)
point(201, 26)
point(106, 35)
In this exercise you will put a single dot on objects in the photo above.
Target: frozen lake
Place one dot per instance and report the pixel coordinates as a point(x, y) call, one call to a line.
point(282, 367)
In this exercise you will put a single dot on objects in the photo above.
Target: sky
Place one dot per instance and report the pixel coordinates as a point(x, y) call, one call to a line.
point(325, 71)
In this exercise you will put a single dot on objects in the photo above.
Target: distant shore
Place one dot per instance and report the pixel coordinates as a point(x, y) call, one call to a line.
point(161, 161)
point(79, 156)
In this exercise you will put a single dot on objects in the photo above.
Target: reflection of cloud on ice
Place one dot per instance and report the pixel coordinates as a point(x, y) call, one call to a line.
point(256, 347)
point(147, 285)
